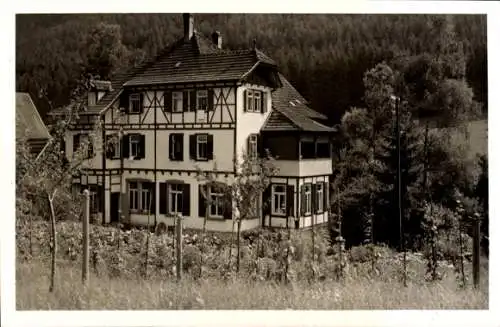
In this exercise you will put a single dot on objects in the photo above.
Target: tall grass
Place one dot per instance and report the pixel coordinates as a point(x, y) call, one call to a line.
point(107, 293)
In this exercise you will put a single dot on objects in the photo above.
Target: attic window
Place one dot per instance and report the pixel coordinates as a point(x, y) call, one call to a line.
point(177, 64)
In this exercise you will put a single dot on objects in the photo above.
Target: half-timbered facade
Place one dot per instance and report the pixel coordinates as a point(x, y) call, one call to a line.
point(198, 106)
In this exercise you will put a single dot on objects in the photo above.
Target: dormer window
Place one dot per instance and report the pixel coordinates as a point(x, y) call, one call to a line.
point(202, 100)
point(135, 103)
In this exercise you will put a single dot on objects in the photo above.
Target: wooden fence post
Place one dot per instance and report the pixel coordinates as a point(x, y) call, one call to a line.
point(85, 229)
point(179, 247)
point(476, 250)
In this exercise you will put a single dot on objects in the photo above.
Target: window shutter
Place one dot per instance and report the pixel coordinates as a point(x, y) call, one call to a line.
point(210, 99)
point(90, 148)
point(249, 138)
point(186, 203)
point(245, 100)
point(76, 142)
point(142, 147)
point(263, 102)
point(125, 146)
point(210, 147)
point(180, 155)
point(326, 196)
point(302, 200)
point(108, 147)
point(141, 105)
point(167, 101)
point(171, 147)
point(201, 201)
point(290, 195)
point(153, 197)
point(192, 146)
point(163, 198)
point(314, 198)
point(185, 102)
point(124, 101)
point(192, 95)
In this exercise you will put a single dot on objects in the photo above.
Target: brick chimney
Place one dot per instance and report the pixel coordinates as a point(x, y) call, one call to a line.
point(217, 39)
point(188, 26)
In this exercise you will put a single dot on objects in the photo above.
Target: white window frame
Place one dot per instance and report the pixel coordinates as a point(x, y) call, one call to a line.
point(145, 199)
point(250, 101)
point(135, 98)
point(201, 139)
point(308, 199)
point(134, 140)
point(175, 193)
point(216, 202)
point(257, 96)
point(252, 144)
point(319, 197)
point(141, 198)
point(278, 200)
point(134, 204)
point(200, 95)
point(177, 101)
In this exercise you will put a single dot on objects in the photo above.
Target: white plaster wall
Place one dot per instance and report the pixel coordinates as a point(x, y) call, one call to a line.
point(249, 122)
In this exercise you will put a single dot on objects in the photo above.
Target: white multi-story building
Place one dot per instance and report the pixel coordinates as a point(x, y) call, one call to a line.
point(195, 106)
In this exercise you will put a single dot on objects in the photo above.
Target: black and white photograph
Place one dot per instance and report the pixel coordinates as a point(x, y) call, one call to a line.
point(213, 160)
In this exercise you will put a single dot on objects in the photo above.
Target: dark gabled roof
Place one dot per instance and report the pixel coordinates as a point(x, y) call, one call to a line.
point(28, 120)
point(287, 96)
point(290, 112)
point(199, 61)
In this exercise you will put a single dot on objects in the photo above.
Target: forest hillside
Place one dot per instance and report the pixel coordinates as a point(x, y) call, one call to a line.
point(324, 56)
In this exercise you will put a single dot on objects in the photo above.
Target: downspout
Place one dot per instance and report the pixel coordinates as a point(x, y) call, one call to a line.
point(103, 192)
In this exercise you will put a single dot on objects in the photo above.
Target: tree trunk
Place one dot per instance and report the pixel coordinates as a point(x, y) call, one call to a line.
point(238, 246)
point(54, 243)
point(231, 247)
point(203, 233)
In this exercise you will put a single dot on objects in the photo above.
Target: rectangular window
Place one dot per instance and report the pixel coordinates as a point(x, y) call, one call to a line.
point(140, 197)
point(175, 200)
point(176, 147)
point(177, 101)
point(307, 199)
point(86, 145)
point(201, 147)
point(216, 205)
point(279, 200)
point(319, 197)
point(146, 199)
point(112, 146)
point(134, 144)
point(257, 95)
point(252, 146)
point(134, 196)
point(250, 102)
point(135, 104)
point(323, 149)
point(202, 100)
point(307, 149)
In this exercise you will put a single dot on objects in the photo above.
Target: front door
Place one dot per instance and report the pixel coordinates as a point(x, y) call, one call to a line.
point(115, 201)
